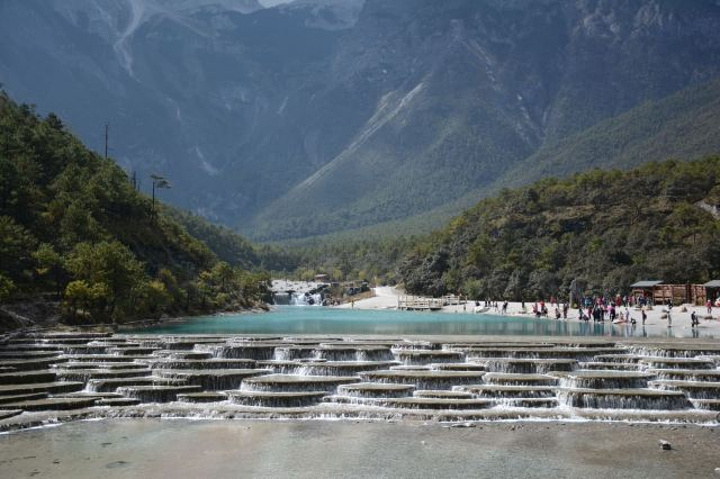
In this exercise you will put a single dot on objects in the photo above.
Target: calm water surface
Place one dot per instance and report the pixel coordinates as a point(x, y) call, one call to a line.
point(319, 320)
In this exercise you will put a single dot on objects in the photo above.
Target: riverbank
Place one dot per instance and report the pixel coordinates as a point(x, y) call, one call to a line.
point(318, 449)
point(386, 297)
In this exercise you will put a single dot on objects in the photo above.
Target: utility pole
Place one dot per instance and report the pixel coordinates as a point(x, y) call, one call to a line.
point(107, 132)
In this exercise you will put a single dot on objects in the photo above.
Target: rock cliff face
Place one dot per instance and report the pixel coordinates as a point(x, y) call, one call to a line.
point(322, 115)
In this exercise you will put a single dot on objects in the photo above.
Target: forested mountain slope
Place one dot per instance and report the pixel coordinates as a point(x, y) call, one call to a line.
point(72, 224)
point(598, 231)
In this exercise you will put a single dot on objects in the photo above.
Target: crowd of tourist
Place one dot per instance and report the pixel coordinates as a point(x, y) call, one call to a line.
point(598, 308)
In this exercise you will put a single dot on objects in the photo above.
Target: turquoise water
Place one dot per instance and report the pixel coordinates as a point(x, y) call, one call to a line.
point(319, 320)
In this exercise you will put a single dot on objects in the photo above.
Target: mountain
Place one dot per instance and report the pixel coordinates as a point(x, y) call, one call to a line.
point(595, 232)
point(319, 116)
point(73, 227)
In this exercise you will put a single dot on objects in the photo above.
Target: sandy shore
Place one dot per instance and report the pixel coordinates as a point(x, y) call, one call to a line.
point(386, 297)
point(318, 449)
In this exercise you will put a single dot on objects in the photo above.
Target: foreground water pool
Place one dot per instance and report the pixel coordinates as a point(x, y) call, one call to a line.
point(319, 320)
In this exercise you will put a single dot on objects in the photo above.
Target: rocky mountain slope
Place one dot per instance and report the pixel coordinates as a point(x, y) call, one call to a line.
point(323, 115)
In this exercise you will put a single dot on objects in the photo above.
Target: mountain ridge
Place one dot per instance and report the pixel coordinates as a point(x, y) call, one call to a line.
point(289, 122)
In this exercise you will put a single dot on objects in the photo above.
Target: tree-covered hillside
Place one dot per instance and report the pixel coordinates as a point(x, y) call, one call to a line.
point(72, 224)
point(598, 231)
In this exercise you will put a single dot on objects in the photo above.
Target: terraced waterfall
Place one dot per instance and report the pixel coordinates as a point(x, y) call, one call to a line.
point(46, 378)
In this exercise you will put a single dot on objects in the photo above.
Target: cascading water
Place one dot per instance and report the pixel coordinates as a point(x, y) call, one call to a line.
point(348, 377)
point(306, 299)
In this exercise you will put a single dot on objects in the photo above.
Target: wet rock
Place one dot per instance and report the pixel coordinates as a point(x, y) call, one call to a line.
point(664, 445)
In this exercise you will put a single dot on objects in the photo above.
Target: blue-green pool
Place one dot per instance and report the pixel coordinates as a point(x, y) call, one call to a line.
point(319, 320)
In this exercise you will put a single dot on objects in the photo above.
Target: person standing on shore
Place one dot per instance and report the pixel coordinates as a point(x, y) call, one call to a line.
point(708, 305)
point(644, 315)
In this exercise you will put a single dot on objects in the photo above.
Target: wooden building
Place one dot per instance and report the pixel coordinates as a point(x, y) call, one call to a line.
point(645, 289)
point(711, 291)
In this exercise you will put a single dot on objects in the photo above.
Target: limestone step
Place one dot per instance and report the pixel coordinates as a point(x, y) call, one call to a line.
point(10, 413)
point(99, 365)
point(519, 379)
point(709, 404)
point(10, 356)
point(286, 399)
point(294, 352)
point(157, 394)
point(258, 351)
point(201, 364)
point(511, 392)
point(677, 363)
point(88, 374)
point(548, 402)
point(608, 366)
point(674, 350)
point(529, 366)
point(22, 397)
point(27, 377)
point(618, 358)
point(443, 394)
point(580, 354)
point(425, 379)
point(289, 383)
point(51, 404)
point(117, 402)
point(185, 355)
point(49, 388)
point(203, 397)
point(353, 352)
point(623, 399)
point(597, 379)
point(375, 390)
point(31, 364)
point(494, 345)
point(84, 336)
point(324, 368)
point(711, 375)
point(420, 356)
point(213, 380)
point(418, 402)
point(111, 385)
point(134, 351)
point(692, 389)
point(407, 345)
point(457, 367)
point(187, 344)
point(103, 358)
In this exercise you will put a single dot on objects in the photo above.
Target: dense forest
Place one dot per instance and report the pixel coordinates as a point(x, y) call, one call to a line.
point(73, 226)
point(594, 232)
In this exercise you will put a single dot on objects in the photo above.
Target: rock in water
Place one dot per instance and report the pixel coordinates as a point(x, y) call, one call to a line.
point(666, 446)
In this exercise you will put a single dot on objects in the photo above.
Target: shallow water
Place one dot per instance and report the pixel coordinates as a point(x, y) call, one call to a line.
point(320, 320)
point(318, 449)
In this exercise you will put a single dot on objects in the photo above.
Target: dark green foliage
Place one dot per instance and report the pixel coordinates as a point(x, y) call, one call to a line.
point(71, 223)
point(603, 230)
point(346, 259)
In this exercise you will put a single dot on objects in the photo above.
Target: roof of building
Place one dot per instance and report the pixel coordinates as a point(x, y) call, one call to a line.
point(645, 284)
point(713, 284)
